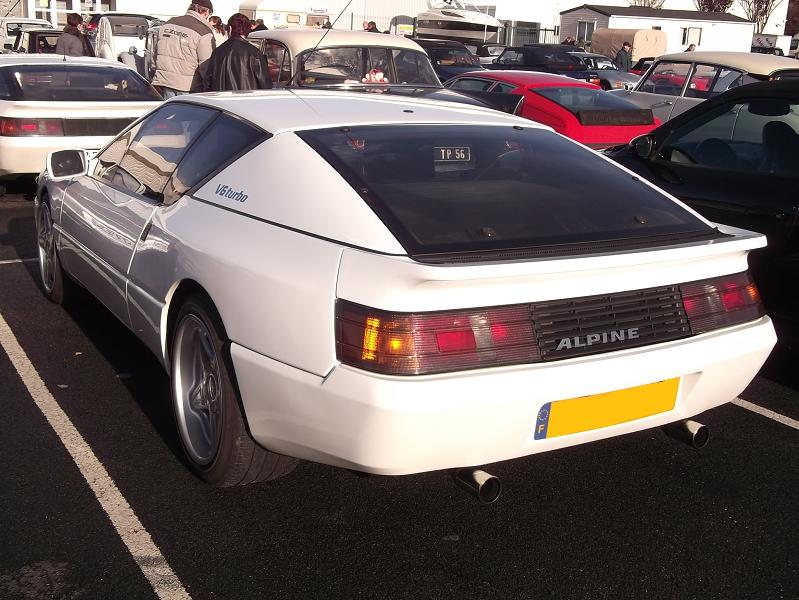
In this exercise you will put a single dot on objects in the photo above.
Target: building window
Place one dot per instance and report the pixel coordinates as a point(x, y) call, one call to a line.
point(585, 29)
point(691, 35)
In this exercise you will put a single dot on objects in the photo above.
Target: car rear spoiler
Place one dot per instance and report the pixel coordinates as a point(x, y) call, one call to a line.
point(641, 116)
point(509, 103)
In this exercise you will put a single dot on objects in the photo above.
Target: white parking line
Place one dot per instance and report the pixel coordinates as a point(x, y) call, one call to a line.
point(17, 261)
point(141, 546)
point(767, 413)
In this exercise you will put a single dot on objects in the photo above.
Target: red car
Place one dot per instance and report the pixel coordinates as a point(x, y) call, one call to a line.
point(579, 110)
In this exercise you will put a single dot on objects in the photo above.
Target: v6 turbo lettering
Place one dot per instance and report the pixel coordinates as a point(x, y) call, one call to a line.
point(228, 192)
point(606, 337)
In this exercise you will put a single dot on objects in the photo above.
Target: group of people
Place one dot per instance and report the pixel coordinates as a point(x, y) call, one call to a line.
point(195, 52)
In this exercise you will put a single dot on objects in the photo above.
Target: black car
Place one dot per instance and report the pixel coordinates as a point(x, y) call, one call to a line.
point(449, 57)
point(735, 160)
point(545, 58)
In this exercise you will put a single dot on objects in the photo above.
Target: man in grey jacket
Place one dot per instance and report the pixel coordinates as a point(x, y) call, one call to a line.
point(184, 46)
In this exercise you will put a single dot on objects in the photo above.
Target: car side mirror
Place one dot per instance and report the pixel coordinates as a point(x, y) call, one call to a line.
point(643, 146)
point(67, 164)
point(495, 61)
point(133, 50)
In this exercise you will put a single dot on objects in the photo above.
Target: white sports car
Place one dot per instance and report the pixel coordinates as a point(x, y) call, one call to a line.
point(49, 102)
point(396, 285)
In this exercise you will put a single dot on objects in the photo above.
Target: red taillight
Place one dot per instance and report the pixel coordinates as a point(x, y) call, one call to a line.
point(721, 302)
point(423, 343)
point(11, 127)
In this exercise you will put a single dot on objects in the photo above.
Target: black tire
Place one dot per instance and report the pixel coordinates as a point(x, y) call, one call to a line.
point(232, 457)
point(55, 283)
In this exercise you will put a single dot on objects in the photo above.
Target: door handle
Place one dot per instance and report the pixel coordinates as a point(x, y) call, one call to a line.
point(661, 104)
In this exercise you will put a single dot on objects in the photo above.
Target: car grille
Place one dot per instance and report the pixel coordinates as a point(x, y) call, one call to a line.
point(594, 324)
point(93, 127)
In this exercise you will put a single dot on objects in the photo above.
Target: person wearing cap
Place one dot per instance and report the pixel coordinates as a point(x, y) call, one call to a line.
point(624, 58)
point(184, 46)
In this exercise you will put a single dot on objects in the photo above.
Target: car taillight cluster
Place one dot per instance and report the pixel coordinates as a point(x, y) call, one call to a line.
point(721, 302)
point(436, 342)
point(12, 127)
point(421, 343)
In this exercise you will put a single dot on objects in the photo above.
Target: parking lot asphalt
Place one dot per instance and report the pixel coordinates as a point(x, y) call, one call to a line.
point(630, 517)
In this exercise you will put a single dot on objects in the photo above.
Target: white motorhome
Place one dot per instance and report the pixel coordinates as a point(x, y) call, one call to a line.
point(769, 43)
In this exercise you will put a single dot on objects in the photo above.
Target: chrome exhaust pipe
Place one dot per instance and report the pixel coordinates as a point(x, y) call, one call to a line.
point(689, 432)
point(485, 486)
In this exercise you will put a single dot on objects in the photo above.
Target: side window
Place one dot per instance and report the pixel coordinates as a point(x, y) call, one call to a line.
point(156, 148)
point(701, 82)
point(414, 67)
point(511, 57)
point(666, 78)
point(505, 88)
point(380, 59)
point(471, 83)
point(108, 159)
point(728, 79)
point(759, 136)
point(221, 141)
point(277, 57)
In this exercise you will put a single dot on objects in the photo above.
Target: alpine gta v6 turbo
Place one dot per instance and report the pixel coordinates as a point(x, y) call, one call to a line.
point(396, 285)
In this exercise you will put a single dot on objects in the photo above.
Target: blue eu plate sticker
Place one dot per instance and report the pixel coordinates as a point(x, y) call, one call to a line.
point(542, 422)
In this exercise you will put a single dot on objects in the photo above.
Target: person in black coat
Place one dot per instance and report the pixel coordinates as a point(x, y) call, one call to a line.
point(237, 64)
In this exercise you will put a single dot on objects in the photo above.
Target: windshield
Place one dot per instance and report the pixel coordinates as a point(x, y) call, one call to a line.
point(347, 65)
point(74, 83)
point(459, 188)
point(454, 57)
point(12, 27)
point(575, 99)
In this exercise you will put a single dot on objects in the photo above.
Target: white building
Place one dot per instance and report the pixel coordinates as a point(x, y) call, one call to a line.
point(707, 31)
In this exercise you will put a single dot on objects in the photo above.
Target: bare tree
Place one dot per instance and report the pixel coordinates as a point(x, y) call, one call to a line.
point(759, 11)
point(713, 5)
point(647, 3)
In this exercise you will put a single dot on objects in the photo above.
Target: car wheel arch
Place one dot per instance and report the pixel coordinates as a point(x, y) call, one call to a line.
point(175, 297)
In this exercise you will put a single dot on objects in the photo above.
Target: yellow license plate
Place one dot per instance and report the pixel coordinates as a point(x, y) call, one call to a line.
point(602, 410)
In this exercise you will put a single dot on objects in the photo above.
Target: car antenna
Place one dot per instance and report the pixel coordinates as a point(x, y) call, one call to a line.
point(346, 6)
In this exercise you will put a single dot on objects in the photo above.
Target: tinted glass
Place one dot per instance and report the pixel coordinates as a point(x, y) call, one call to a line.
point(75, 83)
point(414, 68)
point(469, 83)
point(575, 99)
point(511, 57)
point(550, 55)
point(160, 142)
point(221, 141)
point(454, 57)
point(456, 188)
point(760, 137)
point(12, 28)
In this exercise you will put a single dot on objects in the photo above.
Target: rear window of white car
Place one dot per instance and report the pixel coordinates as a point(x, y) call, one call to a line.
point(446, 191)
point(74, 83)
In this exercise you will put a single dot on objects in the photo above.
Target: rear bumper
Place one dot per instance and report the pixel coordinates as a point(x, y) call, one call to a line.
point(394, 425)
point(27, 155)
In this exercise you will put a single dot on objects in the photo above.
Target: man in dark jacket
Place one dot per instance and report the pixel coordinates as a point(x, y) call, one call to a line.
point(624, 58)
point(237, 64)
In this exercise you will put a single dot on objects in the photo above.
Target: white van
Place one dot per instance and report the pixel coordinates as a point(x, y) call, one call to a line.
point(10, 26)
point(122, 38)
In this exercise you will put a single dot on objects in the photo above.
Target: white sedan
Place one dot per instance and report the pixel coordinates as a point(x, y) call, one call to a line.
point(395, 285)
point(49, 102)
